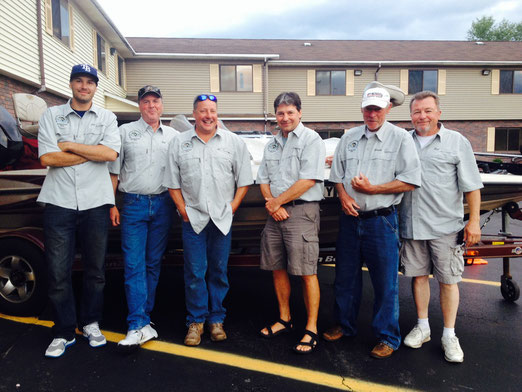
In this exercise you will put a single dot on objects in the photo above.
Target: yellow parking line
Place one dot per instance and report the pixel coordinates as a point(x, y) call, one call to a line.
point(242, 362)
point(476, 281)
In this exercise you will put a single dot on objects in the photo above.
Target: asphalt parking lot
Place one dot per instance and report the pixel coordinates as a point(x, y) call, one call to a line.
point(489, 329)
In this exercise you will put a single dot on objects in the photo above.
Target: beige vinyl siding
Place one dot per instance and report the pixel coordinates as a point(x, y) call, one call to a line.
point(59, 60)
point(181, 81)
point(18, 40)
point(318, 107)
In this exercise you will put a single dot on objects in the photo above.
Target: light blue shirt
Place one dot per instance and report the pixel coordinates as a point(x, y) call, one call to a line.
point(449, 169)
point(389, 155)
point(143, 158)
point(87, 185)
point(208, 175)
point(302, 157)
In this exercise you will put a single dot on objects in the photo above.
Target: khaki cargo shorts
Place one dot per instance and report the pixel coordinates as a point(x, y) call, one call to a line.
point(443, 254)
point(292, 244)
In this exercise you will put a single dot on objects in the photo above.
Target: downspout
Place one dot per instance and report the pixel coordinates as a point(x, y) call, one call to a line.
point(40, 46)
point(265, 91)
point(378, 69)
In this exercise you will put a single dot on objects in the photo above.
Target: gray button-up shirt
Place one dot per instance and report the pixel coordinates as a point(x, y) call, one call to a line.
point(208, 174)
point(389, 155)
point(448, 170)
point(300, 158)
point(143, 158)
point(87, 185)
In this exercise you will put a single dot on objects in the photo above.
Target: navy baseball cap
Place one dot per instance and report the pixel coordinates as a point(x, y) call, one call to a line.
point(84, 69)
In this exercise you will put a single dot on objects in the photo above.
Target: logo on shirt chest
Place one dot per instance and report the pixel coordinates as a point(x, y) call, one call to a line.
point(352, 146)
point(62, 121)
point(186, 146)
point(272, 147)
point(135, 135)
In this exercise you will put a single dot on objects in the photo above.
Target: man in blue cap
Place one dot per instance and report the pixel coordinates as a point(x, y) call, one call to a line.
point(76, 141)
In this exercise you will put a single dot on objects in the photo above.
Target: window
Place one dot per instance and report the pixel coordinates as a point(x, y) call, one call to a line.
point(235, 77)
point(330, 82)
point(328, 133)
point(508, 139)
point(422, 80)
point(511, 82)
point(121, 79)
point(60, 21)
point(100, 53)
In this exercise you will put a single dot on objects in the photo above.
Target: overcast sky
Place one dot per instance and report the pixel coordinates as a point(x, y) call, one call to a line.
point(306, 19)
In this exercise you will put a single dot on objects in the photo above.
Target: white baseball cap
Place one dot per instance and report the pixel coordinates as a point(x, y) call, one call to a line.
point(376, 97)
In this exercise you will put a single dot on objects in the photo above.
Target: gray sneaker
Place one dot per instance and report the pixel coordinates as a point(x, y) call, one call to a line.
point(452, 350)
point(58, 346)
point(416, 337)
point(92, 332)
point(148, 333)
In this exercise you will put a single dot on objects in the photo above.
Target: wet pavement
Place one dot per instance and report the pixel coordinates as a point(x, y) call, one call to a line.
point(489, 329)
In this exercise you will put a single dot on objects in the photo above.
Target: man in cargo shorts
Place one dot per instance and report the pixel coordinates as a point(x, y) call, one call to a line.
point(146, 214)
point(373, 165)
point(431, 217)
point(291, 179)
point(75, 141)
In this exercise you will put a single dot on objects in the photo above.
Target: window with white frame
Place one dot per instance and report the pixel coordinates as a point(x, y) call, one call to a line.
point(330, 82)
point(422, 80)
point(510, 82)
point(236, 78)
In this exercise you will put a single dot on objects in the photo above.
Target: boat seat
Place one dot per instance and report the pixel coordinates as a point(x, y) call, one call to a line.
point(28, 110)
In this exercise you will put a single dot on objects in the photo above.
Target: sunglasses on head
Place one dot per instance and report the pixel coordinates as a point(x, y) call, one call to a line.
point(204, 97)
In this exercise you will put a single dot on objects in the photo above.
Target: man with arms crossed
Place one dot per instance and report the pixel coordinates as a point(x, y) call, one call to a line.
point(208, 174)
point(373, 166)
point(291, 178)
point(75, 141)
point(432, 215)
point(147, 209)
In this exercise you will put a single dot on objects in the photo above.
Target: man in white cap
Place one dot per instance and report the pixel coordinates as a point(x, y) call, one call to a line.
point(373, 165)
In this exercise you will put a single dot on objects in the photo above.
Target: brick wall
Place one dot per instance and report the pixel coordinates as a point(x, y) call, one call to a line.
point(9, 86)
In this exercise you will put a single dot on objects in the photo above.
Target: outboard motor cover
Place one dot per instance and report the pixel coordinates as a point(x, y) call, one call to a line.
point(11, 144)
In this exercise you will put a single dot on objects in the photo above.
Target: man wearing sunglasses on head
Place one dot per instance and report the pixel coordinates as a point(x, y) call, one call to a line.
point(373, 165)
point(146, 211)
point(208, 174)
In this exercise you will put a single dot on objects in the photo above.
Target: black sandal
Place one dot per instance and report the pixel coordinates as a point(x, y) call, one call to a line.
point(312, 343)
point(288, 326)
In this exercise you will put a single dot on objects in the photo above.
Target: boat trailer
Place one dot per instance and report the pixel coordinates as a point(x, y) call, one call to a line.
point(505, 245)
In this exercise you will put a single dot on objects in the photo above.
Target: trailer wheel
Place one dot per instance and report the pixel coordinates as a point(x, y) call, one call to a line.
point(509, 289)
point(23, 278)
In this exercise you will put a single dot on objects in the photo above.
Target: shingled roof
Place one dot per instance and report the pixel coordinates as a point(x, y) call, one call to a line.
point(335, 50)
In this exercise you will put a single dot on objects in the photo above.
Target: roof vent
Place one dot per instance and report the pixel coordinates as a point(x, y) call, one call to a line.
point(307, 44)
point(479, 43)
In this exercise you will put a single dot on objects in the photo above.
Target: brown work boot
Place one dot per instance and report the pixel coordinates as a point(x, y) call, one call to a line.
point(334, 333)
point(381, 351)
point(193, 337)
point(217, 333)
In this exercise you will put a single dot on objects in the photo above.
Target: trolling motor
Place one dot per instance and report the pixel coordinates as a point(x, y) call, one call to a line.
point(11, 143)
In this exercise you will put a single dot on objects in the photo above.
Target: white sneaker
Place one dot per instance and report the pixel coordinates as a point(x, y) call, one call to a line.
point(452, 350)
point(148, 333)
point(417, 337)
point(132, 340)
point(92, 332)
point(58, 346)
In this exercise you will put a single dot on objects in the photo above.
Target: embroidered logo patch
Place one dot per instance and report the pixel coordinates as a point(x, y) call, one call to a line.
point(187, 146)
point(62, 120)
point(135, 135)
point(352, 146)
point(272, 147)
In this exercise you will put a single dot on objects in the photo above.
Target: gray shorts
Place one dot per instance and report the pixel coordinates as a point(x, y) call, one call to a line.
point(292, 244)
point(446, 257)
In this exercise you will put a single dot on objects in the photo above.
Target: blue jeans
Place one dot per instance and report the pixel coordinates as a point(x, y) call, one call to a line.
point(60, 228)
point(205, 254)
point(145, 225)
point(373, 241)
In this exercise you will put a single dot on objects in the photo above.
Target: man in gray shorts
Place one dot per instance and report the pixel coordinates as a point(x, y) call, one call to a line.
point(431, 217)
point(291, 180)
